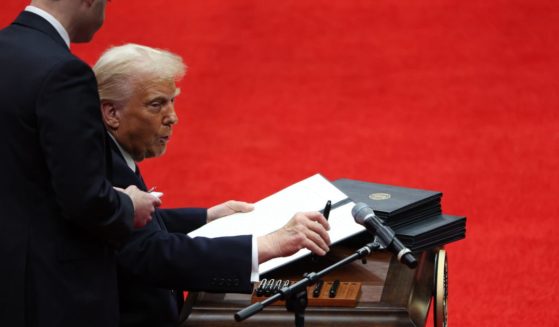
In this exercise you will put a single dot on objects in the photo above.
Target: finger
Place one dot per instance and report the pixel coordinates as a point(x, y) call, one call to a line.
point(318, 239)
point(324, 234)
point(319, 229)
point(314, 248)
point(239, 206)
point(245, 206)
point(155, 200)
point(118, 189)
point(319, 218)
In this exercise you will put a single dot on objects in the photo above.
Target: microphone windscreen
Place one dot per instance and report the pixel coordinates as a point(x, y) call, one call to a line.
point(360, 211)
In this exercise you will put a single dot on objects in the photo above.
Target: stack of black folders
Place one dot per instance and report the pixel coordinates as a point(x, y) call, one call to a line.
point(415, 215)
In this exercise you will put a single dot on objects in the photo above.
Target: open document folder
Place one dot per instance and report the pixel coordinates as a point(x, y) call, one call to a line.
point(274, 211)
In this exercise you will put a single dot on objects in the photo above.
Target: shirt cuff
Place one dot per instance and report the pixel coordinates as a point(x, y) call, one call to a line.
point(254, 275)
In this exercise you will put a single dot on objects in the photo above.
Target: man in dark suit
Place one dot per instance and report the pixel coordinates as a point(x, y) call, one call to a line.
point(137, 90)
point(59, 212)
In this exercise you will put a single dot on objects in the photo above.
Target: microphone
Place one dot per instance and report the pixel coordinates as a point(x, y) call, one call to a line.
point(365, 216)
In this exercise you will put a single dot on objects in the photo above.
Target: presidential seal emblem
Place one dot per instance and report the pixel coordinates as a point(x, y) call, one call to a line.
point(379, 196)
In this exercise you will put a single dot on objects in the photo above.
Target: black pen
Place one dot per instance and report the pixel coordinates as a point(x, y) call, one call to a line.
point(326, 211)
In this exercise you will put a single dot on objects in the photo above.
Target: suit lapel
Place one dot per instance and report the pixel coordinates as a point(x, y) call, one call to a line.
point(140, 178)
point(121, 174)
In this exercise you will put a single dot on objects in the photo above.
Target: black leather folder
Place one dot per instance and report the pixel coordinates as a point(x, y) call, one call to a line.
point(432, 231)
point(396, 205)
point(401, 200)
point(414, 214)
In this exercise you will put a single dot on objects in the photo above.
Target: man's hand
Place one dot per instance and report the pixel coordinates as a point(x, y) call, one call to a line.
point(304, 230)
point(228, 208)
point(144, 204)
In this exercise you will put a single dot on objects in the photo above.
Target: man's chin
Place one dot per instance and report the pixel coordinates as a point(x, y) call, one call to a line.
point(155, 154)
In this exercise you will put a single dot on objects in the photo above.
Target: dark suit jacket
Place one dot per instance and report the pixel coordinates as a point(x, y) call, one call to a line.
point(160, 257)
point(58, 208)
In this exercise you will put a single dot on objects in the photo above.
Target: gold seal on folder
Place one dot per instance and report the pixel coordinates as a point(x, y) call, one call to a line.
point(379, 196)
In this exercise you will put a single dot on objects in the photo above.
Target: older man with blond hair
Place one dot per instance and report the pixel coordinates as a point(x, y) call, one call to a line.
point(137, 86)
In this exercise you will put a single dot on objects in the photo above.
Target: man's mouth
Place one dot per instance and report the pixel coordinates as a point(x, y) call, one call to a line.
point(165, 139)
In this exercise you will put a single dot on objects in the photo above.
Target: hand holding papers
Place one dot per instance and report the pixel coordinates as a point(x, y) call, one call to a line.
point(273, 212)
point(228, 208)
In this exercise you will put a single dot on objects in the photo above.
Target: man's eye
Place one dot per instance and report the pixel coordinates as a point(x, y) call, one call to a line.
point(155, 105)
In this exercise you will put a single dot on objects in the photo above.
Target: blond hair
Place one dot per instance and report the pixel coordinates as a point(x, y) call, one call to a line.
point(120, 67)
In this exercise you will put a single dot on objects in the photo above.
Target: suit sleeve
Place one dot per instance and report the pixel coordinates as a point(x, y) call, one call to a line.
point(174, 260)
point(72, 135)
point(183, 220)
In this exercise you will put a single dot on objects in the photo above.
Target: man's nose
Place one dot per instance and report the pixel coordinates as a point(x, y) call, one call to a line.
point(171, 117)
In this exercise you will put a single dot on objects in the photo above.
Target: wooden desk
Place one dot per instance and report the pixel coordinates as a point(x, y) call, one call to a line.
point(391, 294)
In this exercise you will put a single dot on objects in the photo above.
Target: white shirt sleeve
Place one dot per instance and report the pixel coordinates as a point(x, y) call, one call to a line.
point(254, 275)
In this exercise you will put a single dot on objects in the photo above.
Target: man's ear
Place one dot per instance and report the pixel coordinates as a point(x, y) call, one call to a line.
point(110, 115)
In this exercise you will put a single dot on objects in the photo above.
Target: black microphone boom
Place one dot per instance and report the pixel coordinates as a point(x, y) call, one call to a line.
point(365, 216)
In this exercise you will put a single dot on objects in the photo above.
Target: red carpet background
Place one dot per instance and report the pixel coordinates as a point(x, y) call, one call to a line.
point(456, 96)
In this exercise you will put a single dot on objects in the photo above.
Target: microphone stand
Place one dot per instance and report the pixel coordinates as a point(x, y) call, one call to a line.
point(295, 295)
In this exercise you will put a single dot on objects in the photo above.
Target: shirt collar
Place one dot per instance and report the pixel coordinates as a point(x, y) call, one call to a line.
point(127, 157)
point(53, 21)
